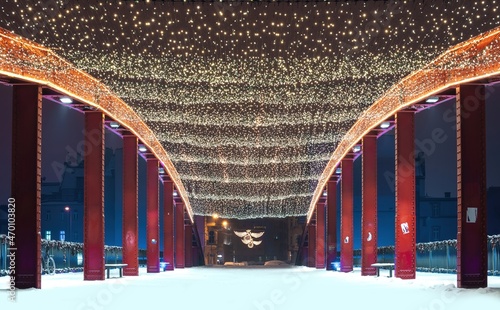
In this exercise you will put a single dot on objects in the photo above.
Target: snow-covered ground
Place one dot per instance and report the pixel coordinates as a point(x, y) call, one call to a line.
point(252, 288)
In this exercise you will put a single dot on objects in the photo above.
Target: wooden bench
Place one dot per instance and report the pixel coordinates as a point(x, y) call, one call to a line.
point(379, 266)
point(115, 266)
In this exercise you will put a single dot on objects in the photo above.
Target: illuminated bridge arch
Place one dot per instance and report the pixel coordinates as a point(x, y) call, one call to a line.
point(475, 60)
point(472, 60)
point(25, 60)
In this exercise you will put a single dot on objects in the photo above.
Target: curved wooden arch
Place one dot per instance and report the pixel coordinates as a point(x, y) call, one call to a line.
point(27, 61)
point(475, 59)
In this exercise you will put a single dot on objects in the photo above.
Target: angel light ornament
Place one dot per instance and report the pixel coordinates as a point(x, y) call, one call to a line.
point(248, 236)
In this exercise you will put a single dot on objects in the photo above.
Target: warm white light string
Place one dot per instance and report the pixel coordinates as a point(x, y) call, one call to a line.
point(250, 101)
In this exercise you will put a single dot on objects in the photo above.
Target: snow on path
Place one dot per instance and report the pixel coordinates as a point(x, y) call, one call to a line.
point(252, 288)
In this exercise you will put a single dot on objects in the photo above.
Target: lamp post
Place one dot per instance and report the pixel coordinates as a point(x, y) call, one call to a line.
point(68, 209)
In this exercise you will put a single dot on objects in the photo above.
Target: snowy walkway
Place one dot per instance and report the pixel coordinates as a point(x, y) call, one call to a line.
point(257, 289)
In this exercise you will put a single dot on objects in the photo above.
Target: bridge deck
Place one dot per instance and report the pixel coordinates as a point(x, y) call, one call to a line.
point(252, 288)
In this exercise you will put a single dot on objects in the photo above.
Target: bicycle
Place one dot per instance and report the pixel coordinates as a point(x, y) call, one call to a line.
point(49, 264)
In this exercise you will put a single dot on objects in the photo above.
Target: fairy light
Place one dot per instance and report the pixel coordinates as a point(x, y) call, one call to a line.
point(252, 105)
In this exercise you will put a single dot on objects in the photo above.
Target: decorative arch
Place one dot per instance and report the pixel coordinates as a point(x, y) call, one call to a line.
point(473, 60)
point(29, 62)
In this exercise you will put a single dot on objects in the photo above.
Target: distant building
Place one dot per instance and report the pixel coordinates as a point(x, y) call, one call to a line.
point(437, 216)
point(62, 202)
point(223, 245)
point(493, 200)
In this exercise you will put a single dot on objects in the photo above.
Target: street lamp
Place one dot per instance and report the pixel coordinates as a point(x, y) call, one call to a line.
point(68, 257)
point(68, 209)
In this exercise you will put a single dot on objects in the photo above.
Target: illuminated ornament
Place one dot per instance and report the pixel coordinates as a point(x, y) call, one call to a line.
point(247, 237)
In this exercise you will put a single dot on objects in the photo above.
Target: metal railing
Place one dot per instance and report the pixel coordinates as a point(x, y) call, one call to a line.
point(68, 256)
point(439, 256)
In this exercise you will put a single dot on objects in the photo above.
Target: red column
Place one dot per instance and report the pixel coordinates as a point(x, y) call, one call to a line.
point(472, 249)
point(331, 231)
point(188, 238)
point(405, 249)
point(26, 185)
point(93, 240)
point(346, 217)
point(320, 235)
point(168, 223)
point(311, 255)
point(179, 235)
point(153, 214)
point(369, 206)
point(130, 223)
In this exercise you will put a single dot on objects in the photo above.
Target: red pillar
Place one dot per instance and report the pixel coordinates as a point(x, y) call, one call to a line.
point(369, 206)
point(405, 249)
point(346, 217)
point(168, 223)
point(26, 185)
point(320, 235)
point(179, 236)
point(188, 238)
point(311, 255)
point(93, 240)
point(130, 223)
point(472, 249)
point(331, 231)
point(153, 214)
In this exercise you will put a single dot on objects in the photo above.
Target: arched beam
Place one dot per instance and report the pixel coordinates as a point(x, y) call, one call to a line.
point(473, 60)
point(29, 62)
point(466, 62)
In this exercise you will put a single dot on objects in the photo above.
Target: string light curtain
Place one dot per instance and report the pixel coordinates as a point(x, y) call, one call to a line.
point(249, 100)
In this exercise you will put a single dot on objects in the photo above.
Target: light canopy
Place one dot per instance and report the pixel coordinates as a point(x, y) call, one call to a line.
point(250, 101)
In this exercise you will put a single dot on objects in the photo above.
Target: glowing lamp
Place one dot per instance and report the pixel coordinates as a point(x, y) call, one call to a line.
point(385, 125)
point(432, 100)
point(66, 100)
